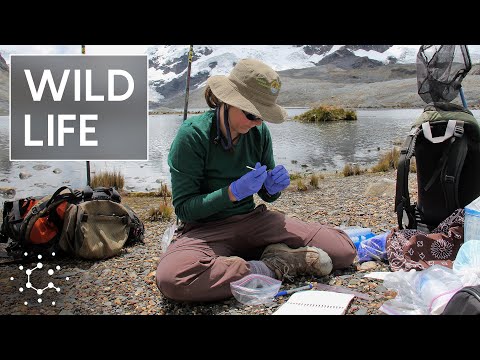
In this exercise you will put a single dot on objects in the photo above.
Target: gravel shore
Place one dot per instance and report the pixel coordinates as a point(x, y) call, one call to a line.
point(126, 284)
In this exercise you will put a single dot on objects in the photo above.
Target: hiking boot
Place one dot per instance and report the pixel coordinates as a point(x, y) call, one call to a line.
point(287, 262)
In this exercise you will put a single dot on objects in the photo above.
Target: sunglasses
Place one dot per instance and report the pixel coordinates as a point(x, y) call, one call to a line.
point(251, 117)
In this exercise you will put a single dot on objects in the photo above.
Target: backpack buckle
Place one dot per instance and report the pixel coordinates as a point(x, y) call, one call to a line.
point(34, 210)
point(459, 131)
point(449, 179)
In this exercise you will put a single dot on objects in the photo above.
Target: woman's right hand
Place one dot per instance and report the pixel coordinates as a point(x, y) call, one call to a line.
point(250, 183)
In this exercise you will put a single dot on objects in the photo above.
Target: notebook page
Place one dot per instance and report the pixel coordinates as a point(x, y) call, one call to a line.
point(314, 302)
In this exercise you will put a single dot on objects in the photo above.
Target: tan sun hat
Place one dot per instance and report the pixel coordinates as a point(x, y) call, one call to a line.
point(252, 86)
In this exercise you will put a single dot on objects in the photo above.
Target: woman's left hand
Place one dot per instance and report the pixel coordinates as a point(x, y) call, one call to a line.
point(277, 179)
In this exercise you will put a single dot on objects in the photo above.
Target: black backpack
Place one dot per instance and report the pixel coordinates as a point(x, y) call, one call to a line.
point(445, 141)
point(466, 301)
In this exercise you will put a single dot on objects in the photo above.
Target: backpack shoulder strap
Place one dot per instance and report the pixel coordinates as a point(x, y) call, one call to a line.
point(69, 196)
point(405, 211)
point(455, 130)
point(450, 176)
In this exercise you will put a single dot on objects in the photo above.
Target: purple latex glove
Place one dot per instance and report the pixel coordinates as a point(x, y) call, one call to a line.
point(277, 179)
point(249, 183)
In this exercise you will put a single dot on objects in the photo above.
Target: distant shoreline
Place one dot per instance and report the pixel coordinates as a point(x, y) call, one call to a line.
point(164, 112)
point(178, 112)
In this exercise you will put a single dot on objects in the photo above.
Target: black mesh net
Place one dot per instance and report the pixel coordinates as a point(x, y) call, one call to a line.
point(440, 71)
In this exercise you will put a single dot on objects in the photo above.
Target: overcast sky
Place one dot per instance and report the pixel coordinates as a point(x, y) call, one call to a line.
point(72, 49)
point(6, 50)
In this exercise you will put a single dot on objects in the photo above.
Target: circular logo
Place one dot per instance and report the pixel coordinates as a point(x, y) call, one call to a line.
point(275, 86)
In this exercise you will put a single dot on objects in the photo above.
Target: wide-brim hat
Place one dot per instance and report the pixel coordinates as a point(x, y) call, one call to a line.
point(251, 86)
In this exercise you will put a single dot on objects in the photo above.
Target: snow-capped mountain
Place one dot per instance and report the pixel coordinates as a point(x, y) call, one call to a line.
point(168, 64)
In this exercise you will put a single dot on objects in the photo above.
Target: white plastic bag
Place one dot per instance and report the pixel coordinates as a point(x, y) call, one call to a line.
point(168, 236)
point(436, 285)
point(421, 292)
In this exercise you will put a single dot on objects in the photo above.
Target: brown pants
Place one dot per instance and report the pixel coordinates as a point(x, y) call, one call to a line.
point(206, 258)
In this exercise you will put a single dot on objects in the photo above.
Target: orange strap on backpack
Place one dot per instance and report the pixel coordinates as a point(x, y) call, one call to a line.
point(44, 229)
point(29, 205)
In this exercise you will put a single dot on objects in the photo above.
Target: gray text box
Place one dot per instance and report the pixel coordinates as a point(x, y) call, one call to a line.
point(121, 128)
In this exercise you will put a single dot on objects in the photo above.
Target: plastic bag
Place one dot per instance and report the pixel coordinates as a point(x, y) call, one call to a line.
point(436, 285)
point(421, 292)
point(373, 248)
point(255, 289)
point(168, 236)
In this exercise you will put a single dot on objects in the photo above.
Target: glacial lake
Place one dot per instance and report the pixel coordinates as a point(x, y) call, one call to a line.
point(298, 146)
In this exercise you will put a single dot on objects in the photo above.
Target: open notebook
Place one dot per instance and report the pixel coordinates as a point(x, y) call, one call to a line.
point(314, 302)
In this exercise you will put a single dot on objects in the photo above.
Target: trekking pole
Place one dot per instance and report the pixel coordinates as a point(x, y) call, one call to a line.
point(190, 57)
point(462, 96)
point(88, 162)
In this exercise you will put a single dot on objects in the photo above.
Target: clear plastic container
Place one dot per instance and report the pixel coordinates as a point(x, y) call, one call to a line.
point(468, 257)
point(255, 289)
point(472, 221)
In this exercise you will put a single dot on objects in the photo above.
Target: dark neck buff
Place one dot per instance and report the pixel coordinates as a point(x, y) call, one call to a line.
point(227, 142)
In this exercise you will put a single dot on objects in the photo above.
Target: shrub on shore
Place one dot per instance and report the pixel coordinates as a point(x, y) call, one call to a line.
point(301, 186)
point(314, 180)
point(108, 179)
point(163, 191)
point(295, 176)
point(349, 170)
point(326, 113)
point(389, 161)
point(163, 212)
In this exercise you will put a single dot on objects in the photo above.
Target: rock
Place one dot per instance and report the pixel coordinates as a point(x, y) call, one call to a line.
point(57, 171)
point(65, 312)
point(41, 167)
point(8, 192)
point(383, 187)
point(24, 175)
point(361, 311)
point(368, 265)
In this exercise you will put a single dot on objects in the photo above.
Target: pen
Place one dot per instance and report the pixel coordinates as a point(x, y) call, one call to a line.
point(249, 167)
point(291, 291)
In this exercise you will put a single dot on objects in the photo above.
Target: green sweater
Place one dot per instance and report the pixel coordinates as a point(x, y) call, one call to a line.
point(202, 170)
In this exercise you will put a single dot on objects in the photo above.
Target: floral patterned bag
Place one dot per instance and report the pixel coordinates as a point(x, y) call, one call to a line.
point(413, 249)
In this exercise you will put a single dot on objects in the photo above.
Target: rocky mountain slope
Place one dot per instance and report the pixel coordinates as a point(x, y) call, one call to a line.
point(4, 71)
point(393, 85)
